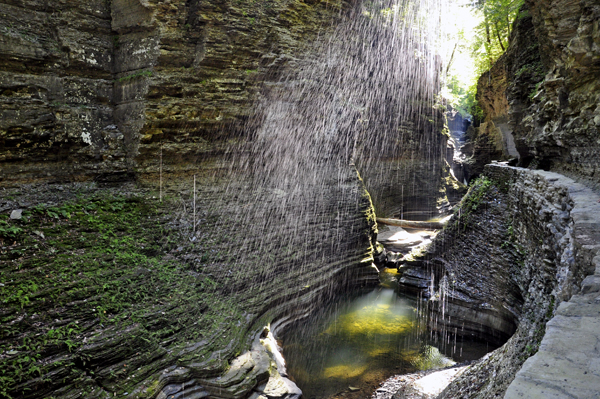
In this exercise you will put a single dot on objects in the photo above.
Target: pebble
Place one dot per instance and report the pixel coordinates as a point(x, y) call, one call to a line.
point(16, 214)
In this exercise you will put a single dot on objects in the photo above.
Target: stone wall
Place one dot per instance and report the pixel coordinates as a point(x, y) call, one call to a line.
point(516, 233)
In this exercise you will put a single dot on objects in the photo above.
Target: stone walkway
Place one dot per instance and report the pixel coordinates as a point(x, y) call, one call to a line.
point(567, 364)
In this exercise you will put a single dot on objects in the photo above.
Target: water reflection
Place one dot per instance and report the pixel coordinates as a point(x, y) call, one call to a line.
point(358, 342)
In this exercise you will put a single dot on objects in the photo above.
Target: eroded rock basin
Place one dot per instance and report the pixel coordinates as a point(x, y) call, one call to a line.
point(354, 343)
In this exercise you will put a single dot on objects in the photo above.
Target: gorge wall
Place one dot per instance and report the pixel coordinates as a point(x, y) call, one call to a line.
point(540, 99)
point(116, 90)
point(159, 290)
point(91, 90)
point(530, 231)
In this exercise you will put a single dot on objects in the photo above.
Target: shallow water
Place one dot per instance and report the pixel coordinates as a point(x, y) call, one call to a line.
point(359, 342)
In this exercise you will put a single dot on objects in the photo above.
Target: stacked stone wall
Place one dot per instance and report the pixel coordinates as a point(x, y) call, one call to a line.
point(545, 223)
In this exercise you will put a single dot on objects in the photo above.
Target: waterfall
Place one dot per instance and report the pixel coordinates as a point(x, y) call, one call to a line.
point(362, 97)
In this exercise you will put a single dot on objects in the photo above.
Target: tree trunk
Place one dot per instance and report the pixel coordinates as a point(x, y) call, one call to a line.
point(498, 36)
point(413, 224)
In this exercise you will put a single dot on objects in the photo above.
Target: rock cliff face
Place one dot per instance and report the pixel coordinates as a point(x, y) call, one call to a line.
point(114, 90)
point(515, 232)
point(563, 123)
point(504, 93)
point(90, 90)
point(544, 91)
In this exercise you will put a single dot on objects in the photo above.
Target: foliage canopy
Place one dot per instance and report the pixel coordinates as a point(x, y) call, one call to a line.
point(477, 35)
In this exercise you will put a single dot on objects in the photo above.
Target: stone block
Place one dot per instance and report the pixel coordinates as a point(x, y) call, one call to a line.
point(590, 284)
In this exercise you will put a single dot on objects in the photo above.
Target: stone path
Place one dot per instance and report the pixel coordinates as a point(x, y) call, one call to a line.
point(567, 364)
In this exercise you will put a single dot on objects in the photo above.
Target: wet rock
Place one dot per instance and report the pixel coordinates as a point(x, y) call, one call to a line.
point(414, 276)
point(380, 254)
point(393, 259)
point(422, 385)
point(399, 240)
point(279, 387)
point(16, 214)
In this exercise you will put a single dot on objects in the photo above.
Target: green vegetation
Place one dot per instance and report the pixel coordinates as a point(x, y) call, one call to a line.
point(96, 269)
point(135, 75)
point(535, 90)
point(493, 33)
point(472, 200)
point(475, 38)
point(479, 188)
point(9, 231)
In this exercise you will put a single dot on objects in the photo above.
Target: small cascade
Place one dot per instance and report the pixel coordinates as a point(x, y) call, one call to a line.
point(458, 125)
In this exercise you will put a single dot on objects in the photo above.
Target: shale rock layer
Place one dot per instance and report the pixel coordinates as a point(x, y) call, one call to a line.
point(90, 89)
point(109, 292)
point(517, 231)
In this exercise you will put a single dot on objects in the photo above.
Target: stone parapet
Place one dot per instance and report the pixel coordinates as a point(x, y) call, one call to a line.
point(531, 239)
point(568, 361)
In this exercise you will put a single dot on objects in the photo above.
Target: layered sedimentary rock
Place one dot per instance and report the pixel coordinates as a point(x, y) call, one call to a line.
point(56, 64)
point(565, 364)
point(91, 90)
point(122, 89)
point(544, 90)
point(172, 93)
point(562, 125)
point(118, 300)
point(514, 231)
point(415, 182)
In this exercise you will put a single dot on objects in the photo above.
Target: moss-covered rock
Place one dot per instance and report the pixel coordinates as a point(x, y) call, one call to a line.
point(111, 291)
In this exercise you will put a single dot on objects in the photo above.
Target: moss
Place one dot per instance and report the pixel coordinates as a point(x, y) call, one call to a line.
point(82, 270)
point(474, 198)
point(135, 75)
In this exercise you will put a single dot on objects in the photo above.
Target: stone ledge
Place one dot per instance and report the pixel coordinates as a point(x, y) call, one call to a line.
point(568, 361)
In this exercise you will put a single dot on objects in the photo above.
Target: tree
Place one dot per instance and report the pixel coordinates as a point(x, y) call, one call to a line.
point(475, 36)
point(493, 33)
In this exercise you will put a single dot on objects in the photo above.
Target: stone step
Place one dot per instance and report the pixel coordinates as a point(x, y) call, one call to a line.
point(590, 284)
point(567, 364)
